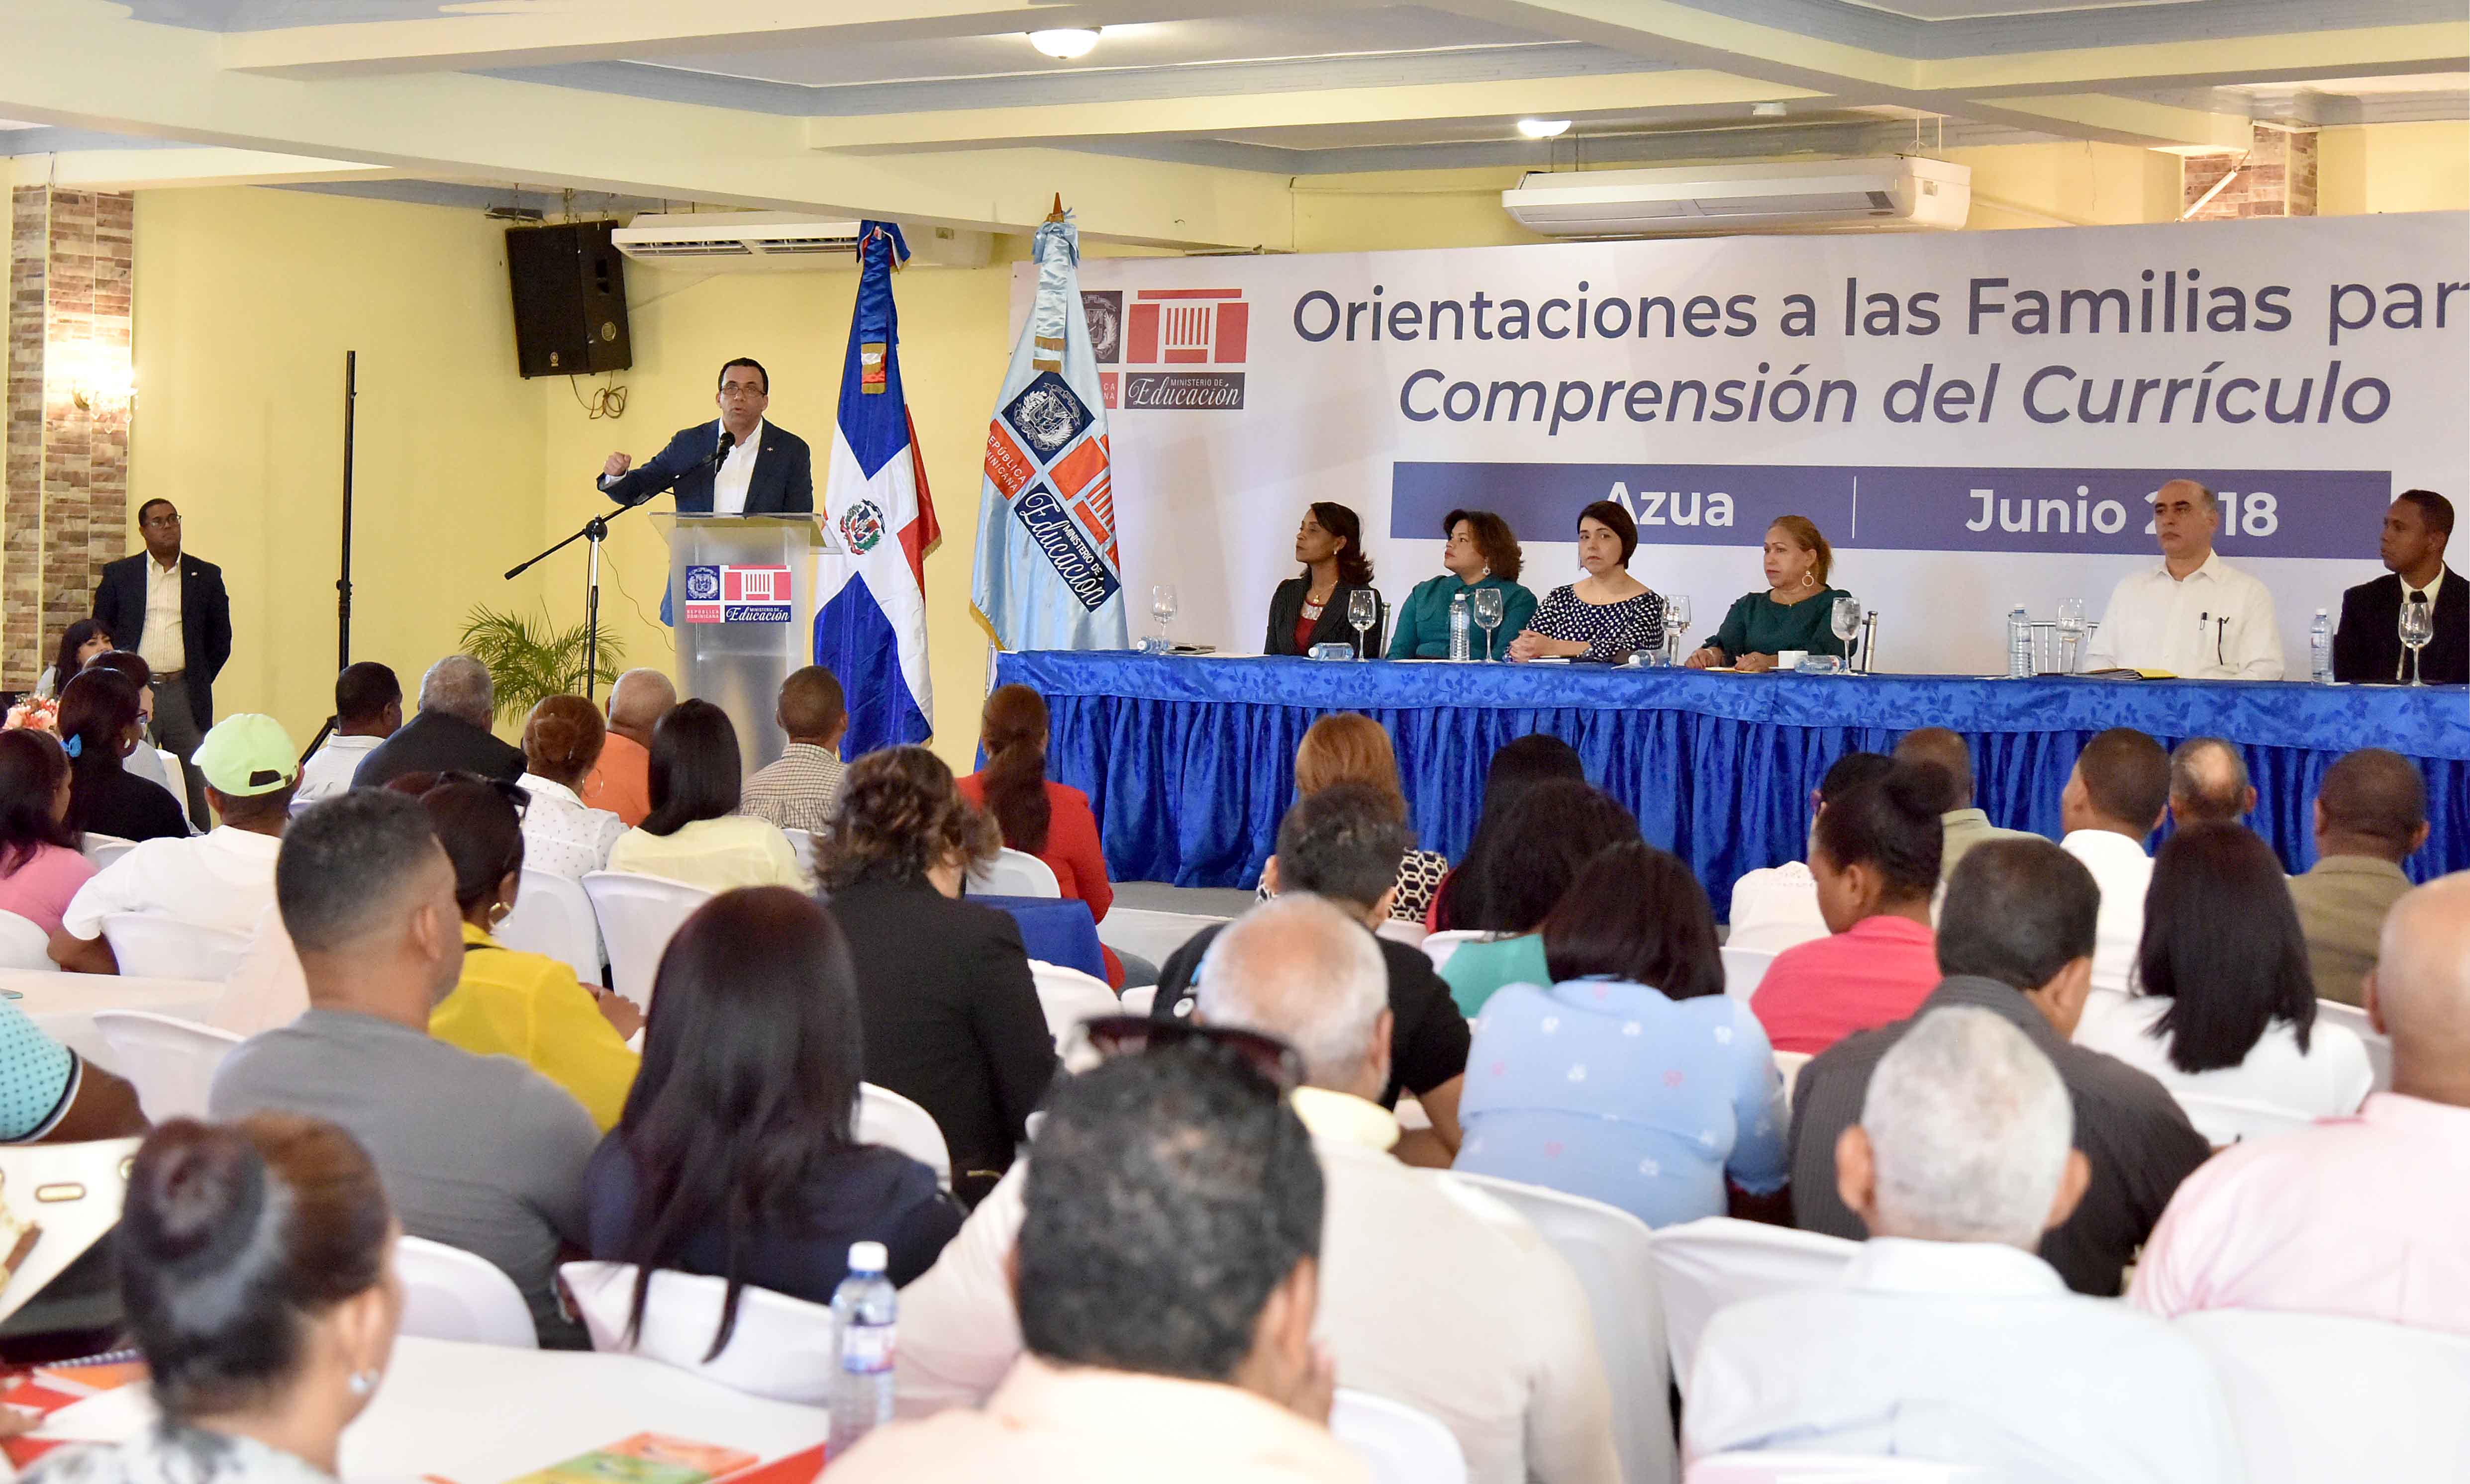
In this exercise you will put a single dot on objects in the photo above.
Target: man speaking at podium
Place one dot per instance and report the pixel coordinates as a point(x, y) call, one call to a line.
point(742, 465)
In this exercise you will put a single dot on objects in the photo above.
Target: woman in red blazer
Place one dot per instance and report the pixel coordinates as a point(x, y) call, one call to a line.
point(1040, 817)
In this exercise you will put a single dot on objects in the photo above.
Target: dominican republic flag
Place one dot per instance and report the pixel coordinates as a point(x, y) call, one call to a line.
point(870, 604)
point(1048, 573)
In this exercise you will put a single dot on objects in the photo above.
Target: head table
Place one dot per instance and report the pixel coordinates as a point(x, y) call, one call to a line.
point(1189, 760)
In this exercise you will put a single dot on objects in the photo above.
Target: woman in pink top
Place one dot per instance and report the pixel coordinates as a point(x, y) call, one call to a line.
point(40, 868)
point(1874, 853)
point(1038, 816)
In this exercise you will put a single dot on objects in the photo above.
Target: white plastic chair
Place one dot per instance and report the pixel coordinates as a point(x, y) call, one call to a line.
point(887, 1117)
point(104, 850)
point(1784, 1467)
point(638, 916)
point(450, 1294)
point(2378, 1044)
point(1015, 873)
point(2314, 1397)
point(1438, 946)
point(1140, 999)
point(1612, 1252)
point(1743, 968)
point(1401, 1445)
point(1400, 931)
point(781, 1348)
point(175, 777)
point(802, 842)
point(24, 944)
point(2227, 1121)
point(1789, 1064)
point(149, 945)
point(1153, 936)
point(553, 916)
point(171, 1061)
point(1070, 997)
point(1703, 1265)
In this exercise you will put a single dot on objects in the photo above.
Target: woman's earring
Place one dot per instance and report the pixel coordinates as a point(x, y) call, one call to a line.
point(1810, 579)
point(361, 1383)
point(499, 913)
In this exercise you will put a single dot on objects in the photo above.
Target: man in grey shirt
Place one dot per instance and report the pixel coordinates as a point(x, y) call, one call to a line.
point(478, 1152)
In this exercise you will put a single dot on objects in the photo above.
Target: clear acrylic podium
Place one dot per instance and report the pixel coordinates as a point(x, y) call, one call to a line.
point(742, 602)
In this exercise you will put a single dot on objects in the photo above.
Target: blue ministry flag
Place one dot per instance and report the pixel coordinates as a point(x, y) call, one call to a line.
point(1049, 575)
point(870, 604)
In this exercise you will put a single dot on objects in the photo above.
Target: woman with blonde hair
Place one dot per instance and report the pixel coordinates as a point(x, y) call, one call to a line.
point(1796, 611)
point(1346, 747)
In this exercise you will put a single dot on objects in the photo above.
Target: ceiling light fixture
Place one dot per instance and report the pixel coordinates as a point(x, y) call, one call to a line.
point(1064, 45)
point(1543, 128)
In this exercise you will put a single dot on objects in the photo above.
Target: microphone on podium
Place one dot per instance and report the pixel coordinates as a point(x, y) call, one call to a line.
point(728, 441)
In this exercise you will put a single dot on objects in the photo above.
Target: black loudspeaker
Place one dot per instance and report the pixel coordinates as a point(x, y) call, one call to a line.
point(570, 284)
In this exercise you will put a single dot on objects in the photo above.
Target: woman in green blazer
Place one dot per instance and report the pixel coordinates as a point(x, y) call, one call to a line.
point(1796, 611)
point(1481, 553)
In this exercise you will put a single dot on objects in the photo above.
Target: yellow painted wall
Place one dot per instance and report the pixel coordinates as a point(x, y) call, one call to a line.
point(2394, 166)
point(245, 301)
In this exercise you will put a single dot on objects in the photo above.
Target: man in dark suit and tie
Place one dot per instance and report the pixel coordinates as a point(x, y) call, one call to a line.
point(170, 608)
point(740, 465)
point(2368, 646)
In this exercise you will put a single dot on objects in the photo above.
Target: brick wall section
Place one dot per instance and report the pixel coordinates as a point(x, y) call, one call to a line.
point(67, 477)
point(2278, 177)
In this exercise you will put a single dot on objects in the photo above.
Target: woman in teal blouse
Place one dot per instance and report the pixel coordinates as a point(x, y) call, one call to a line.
point(1481, 553)
point(1796, 611)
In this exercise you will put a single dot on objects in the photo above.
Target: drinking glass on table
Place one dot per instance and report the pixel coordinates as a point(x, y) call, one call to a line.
point(1362, 611)
point(1163, 608)
point(2071, 633)
point(1487, 615)
point(1845, 622)
point(1676, 623)
point(2418, 627)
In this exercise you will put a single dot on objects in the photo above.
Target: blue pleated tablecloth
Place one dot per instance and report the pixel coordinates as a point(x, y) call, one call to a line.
point(1189, 761)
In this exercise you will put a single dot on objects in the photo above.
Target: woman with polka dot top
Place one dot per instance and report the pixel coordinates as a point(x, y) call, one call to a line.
point(1605, 615)
point(1634, 1080)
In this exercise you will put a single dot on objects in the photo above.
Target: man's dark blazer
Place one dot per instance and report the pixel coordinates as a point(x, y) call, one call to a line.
point(435, 742)
point(205, 621)
point(1287, 610)
point(784, 483)
point(2367, 645)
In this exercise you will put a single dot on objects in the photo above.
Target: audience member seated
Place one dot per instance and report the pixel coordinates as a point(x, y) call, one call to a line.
point(100, 727)
point(694, 833)
point(2225, 1008)
point(1962, 825)
point(1432, 1294)
point(2362, 1215)
point(798, 789)
point(509, 1003)
point(1776, 907)
point(951, 1015)
point(256, 1269)
point(51, 1095)
point(1522, 763)
point(738, 1156)
point(2370, 817)
point(1037, 815)
point(1349, 748)
point(144, 761)
point(2208, 784)
point(368, 709)
point(1635, 1080)
point(1874, 854)
point(81, 641)
point(1551, 834)
point(1169, 1279)
point(1343, 846)
point(2016, 939)
point(478, 1152)
point(452, 732)
point(2113, 801)
point(222, 879)
point(562, 834)
point(621, 781)
point(1946, 1338)
point(40, 864)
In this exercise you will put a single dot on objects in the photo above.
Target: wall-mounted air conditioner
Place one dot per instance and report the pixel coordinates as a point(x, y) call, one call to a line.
point(1902, 194)
point(776, 241)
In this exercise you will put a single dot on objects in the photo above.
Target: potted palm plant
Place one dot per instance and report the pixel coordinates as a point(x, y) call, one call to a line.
point(529, 658)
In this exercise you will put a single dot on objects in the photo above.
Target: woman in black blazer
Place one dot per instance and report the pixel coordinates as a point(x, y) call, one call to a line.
point(1330, 544)
point(951, 1015)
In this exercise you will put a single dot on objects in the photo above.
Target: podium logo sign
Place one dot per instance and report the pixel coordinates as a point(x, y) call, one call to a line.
point(737, 594)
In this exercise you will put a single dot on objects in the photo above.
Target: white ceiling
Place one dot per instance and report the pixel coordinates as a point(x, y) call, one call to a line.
point(1978, 9)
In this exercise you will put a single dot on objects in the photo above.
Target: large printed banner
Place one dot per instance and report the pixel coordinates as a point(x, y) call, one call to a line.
point(1974, 419)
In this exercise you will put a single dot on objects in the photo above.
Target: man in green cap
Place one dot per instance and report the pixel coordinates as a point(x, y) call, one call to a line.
point(223, 879)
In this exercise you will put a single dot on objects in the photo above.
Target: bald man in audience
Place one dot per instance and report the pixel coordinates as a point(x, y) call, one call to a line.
point(1963, 826)
point(1946, 1338)
point(2364, 1216)
point(2113, 801)
point(2208, 784)
point(1431, 1293)
point(457, 707)
point(2371, 815)
point(621, 781)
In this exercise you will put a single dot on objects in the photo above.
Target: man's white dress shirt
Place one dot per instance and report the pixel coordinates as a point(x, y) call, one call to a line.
point(223, 879)
point(329, 770)
point(2216, 624)
point(164, 646)
point(1776, 908)
point(2123, 871)
point(1968, 1353)
point(736, 472)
